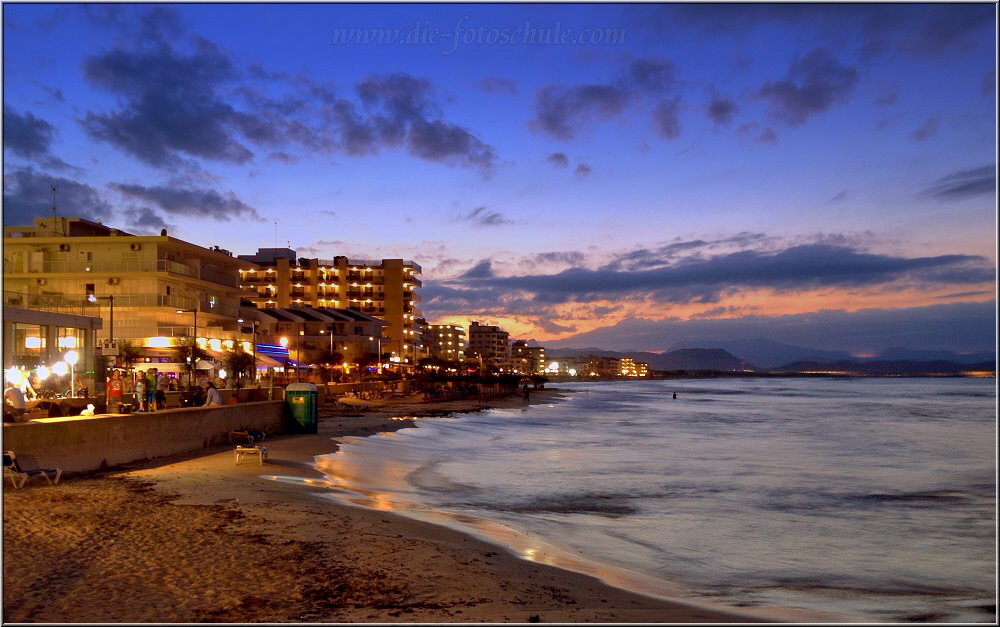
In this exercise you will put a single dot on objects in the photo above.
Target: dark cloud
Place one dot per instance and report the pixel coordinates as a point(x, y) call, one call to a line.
point(190, 201)
point(644, 258)
point(55, 92)
point(26, 135)
point(144, 220)
point(177, 106)
point(706, 280)
point(839, 196)
point(583, 170)
point(482, 270)
point(558, 159)
point(887, 99)
point(757, 133)
point(814, 82)
point(283, 157)
point(963, 327)
point(401, 110)
point(559, 110)
point(652, 75)
point(721, 110)
point(483, 217)
point(495, 85)
point(27, 194)
point(964, 184)
point(172, 105)
point(926, 130)
point(665, 118)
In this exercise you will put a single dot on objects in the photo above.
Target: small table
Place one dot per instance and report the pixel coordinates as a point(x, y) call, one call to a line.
point(244, 451)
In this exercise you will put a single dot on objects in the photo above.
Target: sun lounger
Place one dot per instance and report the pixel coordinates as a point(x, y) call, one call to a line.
point(20, 475)
point(244, 451)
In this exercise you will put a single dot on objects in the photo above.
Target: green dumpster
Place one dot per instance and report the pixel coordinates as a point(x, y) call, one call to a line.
point(303, 405)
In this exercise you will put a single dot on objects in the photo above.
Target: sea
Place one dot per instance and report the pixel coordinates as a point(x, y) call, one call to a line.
point(848, 499)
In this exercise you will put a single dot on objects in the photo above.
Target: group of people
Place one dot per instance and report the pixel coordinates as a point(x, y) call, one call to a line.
point(150, 389)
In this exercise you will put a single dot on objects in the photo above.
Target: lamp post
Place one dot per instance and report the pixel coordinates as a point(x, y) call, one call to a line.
point(194, 334)
point(284, 344)
point(253, 346)
point(111, 313)
point(71, 358)
point(378, 361)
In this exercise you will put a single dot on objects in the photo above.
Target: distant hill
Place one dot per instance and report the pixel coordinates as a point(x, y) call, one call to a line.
point(767, 353)
point(903, 367)
point(909, 354)
point(684, 359)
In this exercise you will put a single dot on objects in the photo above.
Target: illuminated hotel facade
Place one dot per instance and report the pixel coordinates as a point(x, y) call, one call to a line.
point(385, 289)
point(150, 278)
point(445, 342)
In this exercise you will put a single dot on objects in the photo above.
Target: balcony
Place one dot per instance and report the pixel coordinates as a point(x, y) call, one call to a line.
point(229, 279)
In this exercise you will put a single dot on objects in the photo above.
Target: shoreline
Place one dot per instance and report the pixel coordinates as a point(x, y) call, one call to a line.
point(234, 545)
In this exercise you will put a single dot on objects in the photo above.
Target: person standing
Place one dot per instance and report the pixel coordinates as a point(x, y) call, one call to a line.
point(151, 390)
point(116, 391)
point(161, 391)
point(140, 390)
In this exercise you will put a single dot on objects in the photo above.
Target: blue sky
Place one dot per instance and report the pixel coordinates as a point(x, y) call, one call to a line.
point(686, 167)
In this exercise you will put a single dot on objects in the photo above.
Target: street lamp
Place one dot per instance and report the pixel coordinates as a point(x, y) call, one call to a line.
point(284, 344)
point(378, 362)
point(254, 346)
point(194, 338)
point(71, 358)
point(111, 315)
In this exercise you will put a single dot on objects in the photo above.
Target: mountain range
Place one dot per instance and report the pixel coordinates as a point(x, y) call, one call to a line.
point(762, 355)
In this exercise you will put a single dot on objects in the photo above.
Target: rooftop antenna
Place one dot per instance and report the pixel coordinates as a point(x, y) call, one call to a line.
point(275, 233)
point(55, 190)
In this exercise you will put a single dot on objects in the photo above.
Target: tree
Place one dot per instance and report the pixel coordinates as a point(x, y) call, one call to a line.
point(187, 352)
point(239, 364)
point(128, 353)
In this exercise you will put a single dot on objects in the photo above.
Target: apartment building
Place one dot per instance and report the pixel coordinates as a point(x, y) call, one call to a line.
point(633, 368)
point(149, 290)
point(385, 289)
point(491, 344)
point(445, 342)
point(527, 359)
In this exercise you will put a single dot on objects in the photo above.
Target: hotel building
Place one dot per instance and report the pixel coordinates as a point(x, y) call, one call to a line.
point(445, 342)
point(491, 344)
point(527, 359)
point(385, 289)
point(155, 288)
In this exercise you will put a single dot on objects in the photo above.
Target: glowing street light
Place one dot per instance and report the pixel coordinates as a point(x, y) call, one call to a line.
point(71, 358)
point(42, 372)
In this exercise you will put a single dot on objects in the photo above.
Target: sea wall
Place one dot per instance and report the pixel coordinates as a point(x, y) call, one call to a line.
point(87, 443)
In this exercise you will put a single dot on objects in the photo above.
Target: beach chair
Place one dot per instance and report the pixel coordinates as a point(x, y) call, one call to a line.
point(13, 469)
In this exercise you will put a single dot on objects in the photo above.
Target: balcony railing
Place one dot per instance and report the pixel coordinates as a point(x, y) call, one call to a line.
point(56, 303)
point(123, 267)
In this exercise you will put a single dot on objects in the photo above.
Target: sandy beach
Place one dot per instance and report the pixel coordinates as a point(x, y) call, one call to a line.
point(197, 538)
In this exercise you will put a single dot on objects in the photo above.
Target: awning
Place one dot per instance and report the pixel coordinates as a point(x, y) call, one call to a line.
point(264, 360)
point(203, 365)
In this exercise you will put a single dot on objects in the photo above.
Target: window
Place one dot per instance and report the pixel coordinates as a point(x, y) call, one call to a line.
point(168, 290)
point(90, 289)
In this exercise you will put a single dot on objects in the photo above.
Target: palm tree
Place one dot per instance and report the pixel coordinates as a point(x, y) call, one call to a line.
point(187, 352)
point(239, 363)
point(128, 353)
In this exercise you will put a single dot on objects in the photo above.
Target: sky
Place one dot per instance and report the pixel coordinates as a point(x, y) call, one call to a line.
point(628, 177)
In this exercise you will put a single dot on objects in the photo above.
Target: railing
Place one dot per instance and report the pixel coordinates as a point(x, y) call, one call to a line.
point(158, 265)
point(222, 278)
point(56, 303)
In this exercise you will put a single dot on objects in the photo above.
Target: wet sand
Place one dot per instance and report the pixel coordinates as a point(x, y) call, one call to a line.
point(198, 538)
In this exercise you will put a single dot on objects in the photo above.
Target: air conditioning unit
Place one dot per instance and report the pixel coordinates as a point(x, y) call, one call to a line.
point(114, 280)
point(42, 281)
point(135, 247)
point(63, 247)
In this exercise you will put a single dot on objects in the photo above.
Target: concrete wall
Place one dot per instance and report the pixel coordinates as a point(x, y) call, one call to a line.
point(86, 443)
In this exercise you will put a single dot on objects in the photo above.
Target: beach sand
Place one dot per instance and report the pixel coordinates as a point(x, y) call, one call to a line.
point(197, 538)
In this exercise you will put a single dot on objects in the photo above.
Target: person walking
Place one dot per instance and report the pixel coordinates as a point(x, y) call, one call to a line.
point(151, 390)
point(116, 390)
